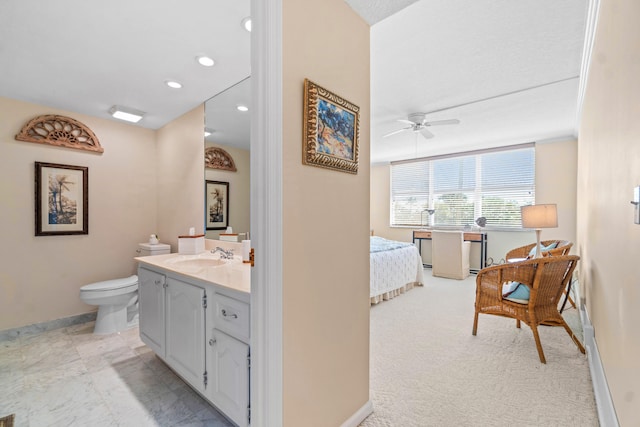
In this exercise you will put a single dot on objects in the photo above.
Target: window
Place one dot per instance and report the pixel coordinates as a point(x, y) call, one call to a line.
point(491, 183)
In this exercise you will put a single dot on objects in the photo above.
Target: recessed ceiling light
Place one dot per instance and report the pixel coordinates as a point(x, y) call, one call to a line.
point(173, 84)
point(205, 61)
point(242, 108)
point(246, 23)
point(125, 113)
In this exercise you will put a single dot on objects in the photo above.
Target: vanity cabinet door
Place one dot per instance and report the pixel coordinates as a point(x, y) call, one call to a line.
point(151, 303)
point(228, 365)
point(185, 346)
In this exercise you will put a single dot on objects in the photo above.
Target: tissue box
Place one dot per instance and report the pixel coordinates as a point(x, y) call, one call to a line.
point(228, 237)
point(191, 245)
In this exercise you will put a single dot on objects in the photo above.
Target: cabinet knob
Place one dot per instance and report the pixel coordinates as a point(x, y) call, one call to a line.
point(212, 341)
point(158, 282)
point(232, 315)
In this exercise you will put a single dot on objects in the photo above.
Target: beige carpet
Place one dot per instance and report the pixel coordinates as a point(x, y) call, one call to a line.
point(428, 370)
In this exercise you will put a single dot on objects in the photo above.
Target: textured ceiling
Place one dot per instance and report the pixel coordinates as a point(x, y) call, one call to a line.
point(508, 70)
point(374, 11)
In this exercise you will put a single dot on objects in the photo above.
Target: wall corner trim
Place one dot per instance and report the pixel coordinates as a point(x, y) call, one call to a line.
point(359, 416)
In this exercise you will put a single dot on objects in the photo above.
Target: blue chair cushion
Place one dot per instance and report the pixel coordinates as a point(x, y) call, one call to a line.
point(516, 292)
point(532, 252)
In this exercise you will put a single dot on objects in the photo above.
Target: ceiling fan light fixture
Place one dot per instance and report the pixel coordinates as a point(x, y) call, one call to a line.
point(418, 123)
point(127, 114)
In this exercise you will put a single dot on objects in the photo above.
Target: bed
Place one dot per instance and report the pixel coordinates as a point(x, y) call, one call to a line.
point(395, 267)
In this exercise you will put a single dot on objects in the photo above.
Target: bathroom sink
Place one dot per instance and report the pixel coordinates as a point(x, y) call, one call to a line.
point(197, 263)
point(201, 262)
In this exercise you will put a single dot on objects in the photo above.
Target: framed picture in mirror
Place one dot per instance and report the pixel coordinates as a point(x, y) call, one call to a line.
point(216, 205)
point(61, 199)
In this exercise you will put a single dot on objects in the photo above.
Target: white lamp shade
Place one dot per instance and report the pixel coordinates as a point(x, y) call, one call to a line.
point(539, 216)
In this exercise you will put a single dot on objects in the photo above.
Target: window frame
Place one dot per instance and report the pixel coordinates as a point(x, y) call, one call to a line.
point(428, 196)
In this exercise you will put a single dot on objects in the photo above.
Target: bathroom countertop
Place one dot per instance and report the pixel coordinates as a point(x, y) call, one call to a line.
point(233, 274)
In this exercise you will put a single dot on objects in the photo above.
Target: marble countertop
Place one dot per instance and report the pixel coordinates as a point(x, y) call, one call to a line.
point(232, 274)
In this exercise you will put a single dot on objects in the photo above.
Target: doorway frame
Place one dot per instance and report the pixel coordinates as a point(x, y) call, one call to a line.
point(266, 376)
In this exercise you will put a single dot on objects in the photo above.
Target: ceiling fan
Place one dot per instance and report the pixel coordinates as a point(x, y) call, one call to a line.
point(419, 123)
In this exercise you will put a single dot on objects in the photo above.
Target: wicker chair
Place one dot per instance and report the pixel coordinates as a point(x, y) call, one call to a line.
point(546, 278)
point(562, 248)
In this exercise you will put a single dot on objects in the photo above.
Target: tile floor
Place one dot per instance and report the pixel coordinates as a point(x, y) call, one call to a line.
point(70, 377)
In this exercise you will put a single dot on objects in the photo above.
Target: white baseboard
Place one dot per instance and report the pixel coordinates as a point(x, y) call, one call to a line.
point(359, 416)
point(604, 403)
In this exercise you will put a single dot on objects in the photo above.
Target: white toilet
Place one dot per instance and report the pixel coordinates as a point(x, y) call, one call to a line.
point(117, 302)
point(117, 299)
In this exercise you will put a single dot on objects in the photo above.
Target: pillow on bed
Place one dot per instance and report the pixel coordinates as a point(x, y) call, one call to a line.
point(533, 251)
point(516, 292)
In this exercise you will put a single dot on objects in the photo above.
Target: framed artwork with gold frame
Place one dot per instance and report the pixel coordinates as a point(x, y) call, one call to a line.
point(331, 130)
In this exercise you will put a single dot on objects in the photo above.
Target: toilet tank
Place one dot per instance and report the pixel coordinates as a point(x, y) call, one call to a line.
point(147, 249)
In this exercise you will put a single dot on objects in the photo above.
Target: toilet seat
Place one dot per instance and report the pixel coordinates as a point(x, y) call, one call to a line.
point(111, 285)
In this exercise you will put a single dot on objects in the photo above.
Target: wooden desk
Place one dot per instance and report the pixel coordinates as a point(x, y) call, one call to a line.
point(469, 236)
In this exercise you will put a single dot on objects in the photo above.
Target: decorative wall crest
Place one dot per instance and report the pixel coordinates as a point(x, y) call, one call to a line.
point(60, 131)
point(217, 158)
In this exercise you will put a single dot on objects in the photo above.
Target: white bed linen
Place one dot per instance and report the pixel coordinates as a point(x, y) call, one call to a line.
point(394, 272)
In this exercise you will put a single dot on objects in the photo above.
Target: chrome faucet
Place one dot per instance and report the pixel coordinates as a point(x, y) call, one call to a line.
point(224, 254)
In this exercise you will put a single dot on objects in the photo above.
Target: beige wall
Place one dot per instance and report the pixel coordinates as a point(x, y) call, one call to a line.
point(325, 240)
point(40, 277)
point(609, 169)
point(239, 189)
point(180, 170)
point(556, 175)
point(145, 182)
point(556, 168)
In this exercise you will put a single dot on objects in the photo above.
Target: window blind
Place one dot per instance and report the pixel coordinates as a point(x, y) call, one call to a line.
point(492, 183)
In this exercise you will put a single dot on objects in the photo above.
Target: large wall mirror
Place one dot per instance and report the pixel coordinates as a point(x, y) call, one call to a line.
point(227, 128)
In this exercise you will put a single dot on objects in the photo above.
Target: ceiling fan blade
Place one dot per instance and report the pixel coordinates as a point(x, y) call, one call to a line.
point(409, 122)
point(426, 133)
point(442, 122)
point(396, 131)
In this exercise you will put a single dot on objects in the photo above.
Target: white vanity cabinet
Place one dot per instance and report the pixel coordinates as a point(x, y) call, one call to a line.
point(201, 331)
point(229, 359)
point(151, 309)
point(184, 331)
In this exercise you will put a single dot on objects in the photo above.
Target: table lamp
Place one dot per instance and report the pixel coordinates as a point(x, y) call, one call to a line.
point(538, 217)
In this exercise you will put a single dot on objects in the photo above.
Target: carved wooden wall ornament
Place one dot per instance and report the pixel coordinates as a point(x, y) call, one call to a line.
point(60, 131)
point(217, 158)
